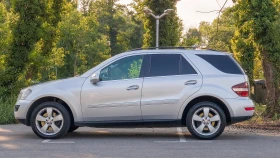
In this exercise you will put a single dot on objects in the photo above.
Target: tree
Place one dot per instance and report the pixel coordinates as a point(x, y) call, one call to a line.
point(261, 20)
point(192, 37)
point(205, 32)
point(80, 44)
point(25, 35)
point(244, 52)
point(170, 26)
point(39, 59)
point(124, 29)
point(219, 39)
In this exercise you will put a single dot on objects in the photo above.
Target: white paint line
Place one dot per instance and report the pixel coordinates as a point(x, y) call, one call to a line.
point(46, 141)
point(59, 142)
point(201, 141)
point(181, 135)
point(168, 142)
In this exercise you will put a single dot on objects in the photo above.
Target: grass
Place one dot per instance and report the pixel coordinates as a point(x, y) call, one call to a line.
point(7, 110)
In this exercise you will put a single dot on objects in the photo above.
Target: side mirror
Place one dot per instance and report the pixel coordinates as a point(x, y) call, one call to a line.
point(94, 78)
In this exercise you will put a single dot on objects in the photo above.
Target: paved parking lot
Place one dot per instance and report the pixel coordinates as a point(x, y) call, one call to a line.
point(19, 141)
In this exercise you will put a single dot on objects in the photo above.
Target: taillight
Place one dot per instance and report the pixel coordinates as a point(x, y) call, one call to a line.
point(249, 108)
point(241, 89)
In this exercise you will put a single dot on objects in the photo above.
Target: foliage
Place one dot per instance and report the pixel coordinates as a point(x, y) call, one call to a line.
point(7, 110)
point(222, 31)
point(80, 43)
point(119, 24)
point(170, 26)
point(261, 20)
point(244, 52)
point(135, 68)
point(192, 37)
point(25, 35)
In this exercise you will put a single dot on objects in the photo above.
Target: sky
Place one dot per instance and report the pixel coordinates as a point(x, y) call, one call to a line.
point(187, 10)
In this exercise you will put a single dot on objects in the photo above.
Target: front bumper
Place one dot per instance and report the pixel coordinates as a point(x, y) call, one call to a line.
point(21, 109)
point(23, 121)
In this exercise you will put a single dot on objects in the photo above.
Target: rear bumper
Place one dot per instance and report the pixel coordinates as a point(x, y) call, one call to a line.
point(237, 107)
point(240, 119)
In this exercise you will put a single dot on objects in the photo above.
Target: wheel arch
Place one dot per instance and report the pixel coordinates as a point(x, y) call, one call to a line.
point(196, 100)
point(46, 99)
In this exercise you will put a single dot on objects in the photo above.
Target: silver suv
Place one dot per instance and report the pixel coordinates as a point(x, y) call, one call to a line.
point(202, 89)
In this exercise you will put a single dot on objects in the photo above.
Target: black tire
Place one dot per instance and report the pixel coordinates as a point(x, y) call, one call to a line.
point(210, 105)
point(72, 129)
point(66, 120)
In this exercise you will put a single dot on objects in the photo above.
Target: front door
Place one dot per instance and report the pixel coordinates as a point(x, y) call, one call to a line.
point(117, 96)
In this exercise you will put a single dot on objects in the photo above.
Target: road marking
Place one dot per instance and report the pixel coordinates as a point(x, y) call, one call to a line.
point(57, 142)
point(181, 135)
point(199, 141)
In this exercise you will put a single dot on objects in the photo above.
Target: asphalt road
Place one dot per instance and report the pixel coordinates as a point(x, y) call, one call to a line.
point(19, 141)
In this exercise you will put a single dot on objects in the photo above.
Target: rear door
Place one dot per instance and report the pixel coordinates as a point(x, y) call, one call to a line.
point(170, 80)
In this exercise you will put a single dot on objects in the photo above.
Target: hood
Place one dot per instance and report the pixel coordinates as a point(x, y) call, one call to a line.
point(59, 83)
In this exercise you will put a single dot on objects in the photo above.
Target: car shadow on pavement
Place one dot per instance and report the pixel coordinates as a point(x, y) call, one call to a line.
point(146, 135)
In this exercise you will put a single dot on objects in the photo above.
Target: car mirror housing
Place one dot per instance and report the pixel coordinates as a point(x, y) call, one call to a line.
point(94, 79)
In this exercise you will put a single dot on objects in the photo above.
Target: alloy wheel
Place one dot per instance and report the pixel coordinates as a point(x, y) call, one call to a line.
point(206, 121)
point(49, 121)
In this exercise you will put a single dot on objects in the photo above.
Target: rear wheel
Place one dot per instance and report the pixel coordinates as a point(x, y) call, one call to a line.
point(50, 120)
point(206, 120)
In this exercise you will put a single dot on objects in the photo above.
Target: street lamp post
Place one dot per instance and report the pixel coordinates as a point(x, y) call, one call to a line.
point(157, 17)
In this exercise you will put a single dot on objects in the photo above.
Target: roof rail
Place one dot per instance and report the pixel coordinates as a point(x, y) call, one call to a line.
point(163, 47)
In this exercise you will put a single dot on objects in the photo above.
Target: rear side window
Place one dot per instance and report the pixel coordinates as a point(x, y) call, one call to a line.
point(169, 64)
point(223, 63)
point(164, 64)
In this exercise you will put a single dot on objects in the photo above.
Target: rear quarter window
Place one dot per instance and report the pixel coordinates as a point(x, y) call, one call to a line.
point(224, 63)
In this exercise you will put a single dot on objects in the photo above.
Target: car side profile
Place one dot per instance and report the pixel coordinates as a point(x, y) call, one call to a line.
point(204, 90)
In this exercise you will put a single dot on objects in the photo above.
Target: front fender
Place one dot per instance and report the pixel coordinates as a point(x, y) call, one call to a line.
point(72, 99)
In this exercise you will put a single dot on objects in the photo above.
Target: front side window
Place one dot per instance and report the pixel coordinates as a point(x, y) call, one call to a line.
point(126, 68)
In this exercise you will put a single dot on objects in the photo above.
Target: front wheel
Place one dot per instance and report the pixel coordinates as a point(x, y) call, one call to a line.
point(206, 120)
point(50, 120)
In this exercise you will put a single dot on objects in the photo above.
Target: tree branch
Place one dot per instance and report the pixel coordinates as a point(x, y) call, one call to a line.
point(218, 12)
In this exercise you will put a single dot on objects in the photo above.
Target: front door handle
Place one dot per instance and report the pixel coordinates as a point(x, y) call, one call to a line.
point(134, 87)
point(191, 82)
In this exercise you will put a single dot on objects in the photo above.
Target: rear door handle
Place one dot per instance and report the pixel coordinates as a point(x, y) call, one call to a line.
point(191, 82)
point(134, 87)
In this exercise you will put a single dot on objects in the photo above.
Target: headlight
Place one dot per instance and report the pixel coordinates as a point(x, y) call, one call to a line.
point(24, 93)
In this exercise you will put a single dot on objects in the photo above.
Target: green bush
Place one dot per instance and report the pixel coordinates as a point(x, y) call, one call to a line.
point(7, 110)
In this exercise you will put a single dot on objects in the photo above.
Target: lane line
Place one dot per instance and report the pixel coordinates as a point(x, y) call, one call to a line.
point(199, 141)
point(181, 135)
point(61, 142)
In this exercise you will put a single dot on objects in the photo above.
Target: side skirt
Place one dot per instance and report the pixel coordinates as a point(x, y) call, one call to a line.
point(129, 124)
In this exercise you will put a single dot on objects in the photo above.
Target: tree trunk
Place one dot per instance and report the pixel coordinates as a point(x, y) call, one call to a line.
point(272, 86)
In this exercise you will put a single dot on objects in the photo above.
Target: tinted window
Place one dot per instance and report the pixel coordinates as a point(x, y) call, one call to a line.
point(186, 67)
point(223, 63)
point(126, 68)
point(164, 64)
